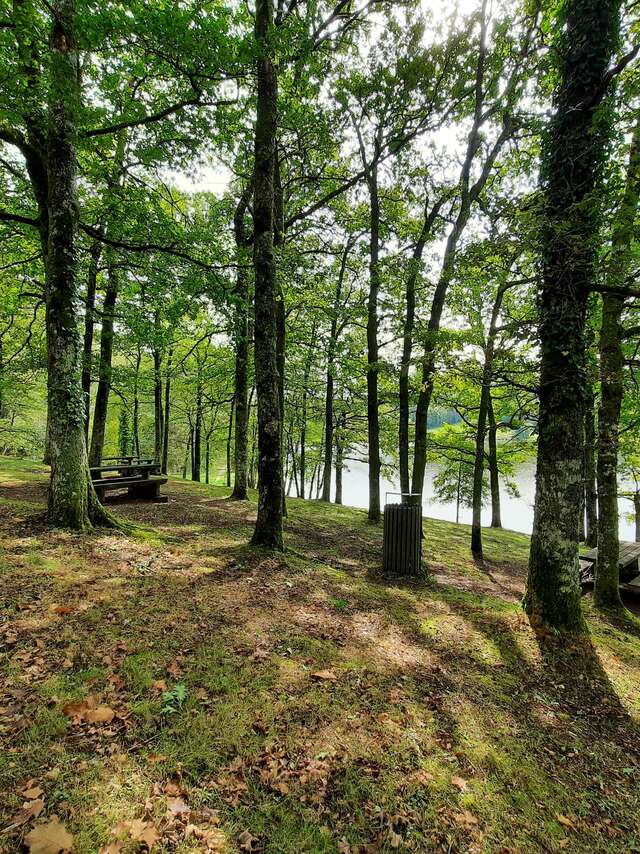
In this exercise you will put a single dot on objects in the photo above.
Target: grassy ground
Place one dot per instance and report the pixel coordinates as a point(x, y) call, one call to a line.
point(179, 691)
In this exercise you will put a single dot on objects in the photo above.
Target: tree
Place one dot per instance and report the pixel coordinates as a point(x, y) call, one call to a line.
point(268, 529)
point(574, 151)
point(606, 593)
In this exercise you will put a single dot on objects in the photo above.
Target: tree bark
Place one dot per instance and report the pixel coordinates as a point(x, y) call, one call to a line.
point(636, 507)
point(104, 370)
point(241, 342)
point(268, 529)
point(303, 424)
point(494, 474)
point(590, 489)
point(481, 429)
point(157, 406)
point(329, 391)
point(87, 350)
point(229, 440)
point(572, 160)
point(339, 460)
point(136, 405)
point(407, 341)
point(197, 433)
point(373, 413)
point(606, 592)
point(167, 415)
point(72, 500)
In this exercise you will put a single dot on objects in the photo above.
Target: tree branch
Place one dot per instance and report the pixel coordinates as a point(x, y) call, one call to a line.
point(153, 117)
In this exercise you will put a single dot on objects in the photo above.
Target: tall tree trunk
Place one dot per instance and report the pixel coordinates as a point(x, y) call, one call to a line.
point(573, 155)
point(469, 194)
point(2, 403)
point(373, 413)
point(187, 454)
point(268, 530)
point(167, 415)
point(636, 507)
point(72, 501)
point(303, 425)
point(329, 390)
point(136, 405)
point(229, 439)
point(89, 307)
point(494, 474)
point(157, 406)
point(241, 342)
point(481, 429)
point(104, 370)
point(339, 462)
point(407, 341)
point(197, 434)
point(606, 592)
point(590, 489)
point(281, 311)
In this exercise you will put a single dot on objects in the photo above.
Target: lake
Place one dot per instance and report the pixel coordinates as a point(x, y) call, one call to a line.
point(517, 513)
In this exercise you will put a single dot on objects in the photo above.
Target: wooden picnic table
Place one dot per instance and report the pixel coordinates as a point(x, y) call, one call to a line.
point(124, 469)
point(140, 477)
point(628, 565)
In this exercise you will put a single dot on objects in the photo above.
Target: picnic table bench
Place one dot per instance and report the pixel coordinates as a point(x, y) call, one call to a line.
point(628, 565)
point(139, 476)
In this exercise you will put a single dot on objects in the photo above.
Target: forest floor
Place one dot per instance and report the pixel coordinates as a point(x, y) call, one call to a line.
point(175, 689)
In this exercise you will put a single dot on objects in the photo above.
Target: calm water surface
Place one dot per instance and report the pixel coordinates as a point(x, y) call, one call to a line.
point(517, 513)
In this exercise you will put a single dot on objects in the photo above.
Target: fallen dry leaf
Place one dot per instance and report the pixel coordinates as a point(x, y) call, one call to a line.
point(50, 838)
point(460, 783)
point(32, 792)
point(174, 669)
point(149, 836)
point(465, 819)
point(176, 806)
point(31, 809)
point(423, 777)
point(101, 715)
point(88, 710)
point(565, 821)
point(246, 841)
point(324, 675)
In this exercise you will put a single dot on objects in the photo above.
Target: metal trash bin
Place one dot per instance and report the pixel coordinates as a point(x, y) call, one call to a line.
point(402, 538)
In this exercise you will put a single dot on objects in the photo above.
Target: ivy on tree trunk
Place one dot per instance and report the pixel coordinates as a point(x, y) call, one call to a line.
point(573, 156)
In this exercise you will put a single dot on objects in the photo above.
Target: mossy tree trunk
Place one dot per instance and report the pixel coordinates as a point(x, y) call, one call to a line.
point(166, 420)
point(104, 369)
point(573, 155)
point(241, 348)
point(89, 321)
point(268, 529)
point(158, 414)
point(606, 593)
point(72, 501)
point(590, 489)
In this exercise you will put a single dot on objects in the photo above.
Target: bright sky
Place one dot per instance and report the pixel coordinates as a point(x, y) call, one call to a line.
point(215, 178)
